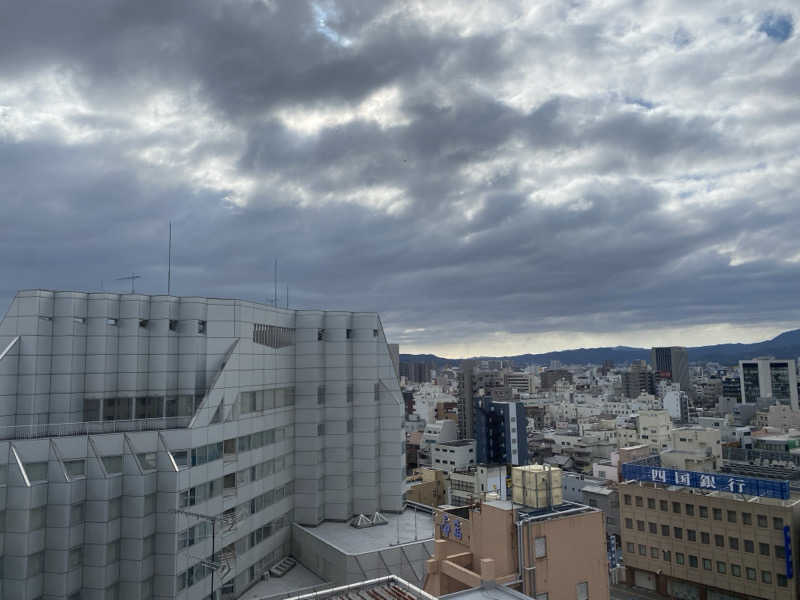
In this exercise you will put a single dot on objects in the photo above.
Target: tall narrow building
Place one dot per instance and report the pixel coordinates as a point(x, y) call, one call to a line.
point(133, 426)
point(672, 364)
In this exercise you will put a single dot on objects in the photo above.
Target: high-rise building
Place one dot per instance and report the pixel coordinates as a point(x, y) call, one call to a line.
point(672, 363)
point(465, 391)
point(500, 431)
point(133, 426)
point(638, 380)
point(551, 376)
point(769, 381)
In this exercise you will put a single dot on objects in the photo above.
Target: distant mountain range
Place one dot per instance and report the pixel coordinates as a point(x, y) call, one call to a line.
point(786, 345)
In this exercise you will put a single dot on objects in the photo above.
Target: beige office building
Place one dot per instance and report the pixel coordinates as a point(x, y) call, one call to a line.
point(697, 545)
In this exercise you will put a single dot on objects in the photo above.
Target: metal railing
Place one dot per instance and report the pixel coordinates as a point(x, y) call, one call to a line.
point(17, 432)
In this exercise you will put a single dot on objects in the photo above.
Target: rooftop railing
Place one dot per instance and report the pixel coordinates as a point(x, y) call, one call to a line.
point(24, 432)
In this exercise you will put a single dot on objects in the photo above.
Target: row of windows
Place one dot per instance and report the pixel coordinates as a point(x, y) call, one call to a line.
point(707, 564)
point(702, 511)
point(142, 407)
point(211, 452)
point(210, 489)
point(322, 334)
point(273, 336)
point(145, 323)
point(705, 538)
point(262, 400)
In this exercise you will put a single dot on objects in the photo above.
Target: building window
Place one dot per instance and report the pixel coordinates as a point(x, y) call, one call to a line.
point(631, 548)
point(173, 325)
point(663, 505)
point(627, 499)
point(736, 570)
point(782, 581)
point(747, 519)
point(766, 577)
point(679, 558)
point(780, 551)
point(676, 507)
point(749, 546)
point(707, 564)
point(540, 547)
point(703, 512)
point(653, 552)
point(653, 528)
point(705, 538)
point(651, 503)
point(639, 501)
point(582, 591)
point(719, 541)
point(718, 514)
point(349, 333)
point(667, 556)
point(678, 531)
point(642, 549)
point(750, 572)
point(640, 525)
point(762, 520)
point(693, 561)
point(691, 535)
point(665, 530)
point(201, 327)
point(721, 567)
point(690, 510)
point(763, 549)
point(777, 523)
point(733, 543)
point(75, 468)
point(731, 516)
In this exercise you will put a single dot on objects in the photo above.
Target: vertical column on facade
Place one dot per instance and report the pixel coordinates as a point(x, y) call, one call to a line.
point(69, 357)
point(134, 327)
point(64, 555)
point(9, 369)
point(192, 348)
point(162, 357)
point(23, 561)
point(165, 561)
point(392, 437)
point(366, 414)
point(337, 411)
point(309, 426)
point(35, 328)
point(101, 359)
point(138, 521)
point(220, 334)
point(102, 527)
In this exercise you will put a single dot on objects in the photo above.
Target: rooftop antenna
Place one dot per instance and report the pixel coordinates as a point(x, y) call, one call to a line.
point(132, 277)
point(275, 281)
point(169, 262)
point(287, 296)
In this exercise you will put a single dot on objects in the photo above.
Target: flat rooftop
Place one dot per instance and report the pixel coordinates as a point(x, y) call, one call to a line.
point(390, 587)
point(405, 527)
point(488, 592)
point(457, 443)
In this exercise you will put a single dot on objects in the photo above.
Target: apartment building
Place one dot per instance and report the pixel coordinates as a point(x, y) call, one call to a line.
point(134, 426)
point(695, 543)
point(766, 381)
point(453, 456)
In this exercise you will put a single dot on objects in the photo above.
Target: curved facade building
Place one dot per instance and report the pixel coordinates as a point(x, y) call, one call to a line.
point(133, 425)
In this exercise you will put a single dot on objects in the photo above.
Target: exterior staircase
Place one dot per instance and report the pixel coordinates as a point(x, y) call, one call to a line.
point(281, 568)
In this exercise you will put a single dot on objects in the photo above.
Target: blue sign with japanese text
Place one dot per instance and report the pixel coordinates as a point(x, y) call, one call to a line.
point(766, 488)
point(787, 546)
point(447, 526)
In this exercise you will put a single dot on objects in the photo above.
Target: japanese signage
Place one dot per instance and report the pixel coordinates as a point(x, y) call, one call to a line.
point(767, 488)
point(787, 546)
point(450, 527)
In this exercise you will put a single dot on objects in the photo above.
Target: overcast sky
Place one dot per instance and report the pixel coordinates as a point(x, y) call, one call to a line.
point(492, 177)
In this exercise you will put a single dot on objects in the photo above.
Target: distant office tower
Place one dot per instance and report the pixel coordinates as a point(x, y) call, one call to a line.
point(500, 432)
point(517, 380)
point(672, 363)
point(465, 391)
point(551, 376)
point(637, 380)
point(769, 381)
point(117, 410)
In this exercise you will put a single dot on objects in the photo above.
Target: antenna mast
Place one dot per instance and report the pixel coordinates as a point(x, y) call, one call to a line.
point(132, 277)
point(275, 296)
point(169, 262)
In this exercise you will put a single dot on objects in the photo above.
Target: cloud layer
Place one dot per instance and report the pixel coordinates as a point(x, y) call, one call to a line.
point(492, 177)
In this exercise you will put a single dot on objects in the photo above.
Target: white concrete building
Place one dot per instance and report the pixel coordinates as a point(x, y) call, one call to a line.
point(453, 456)
point(769, 381)
point(118, 409)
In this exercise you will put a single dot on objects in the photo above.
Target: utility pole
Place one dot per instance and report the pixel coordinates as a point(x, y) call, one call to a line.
point(169, 262)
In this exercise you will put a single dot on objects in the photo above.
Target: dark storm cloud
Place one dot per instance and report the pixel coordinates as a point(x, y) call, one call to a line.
point(463, 170)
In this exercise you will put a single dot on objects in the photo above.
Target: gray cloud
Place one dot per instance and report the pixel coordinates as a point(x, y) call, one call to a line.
point(465, 171)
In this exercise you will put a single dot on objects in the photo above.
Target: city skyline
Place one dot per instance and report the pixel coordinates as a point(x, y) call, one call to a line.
point(512, 178)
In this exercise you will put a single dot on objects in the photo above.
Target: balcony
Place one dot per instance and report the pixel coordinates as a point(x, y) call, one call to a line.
point(22, 432)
